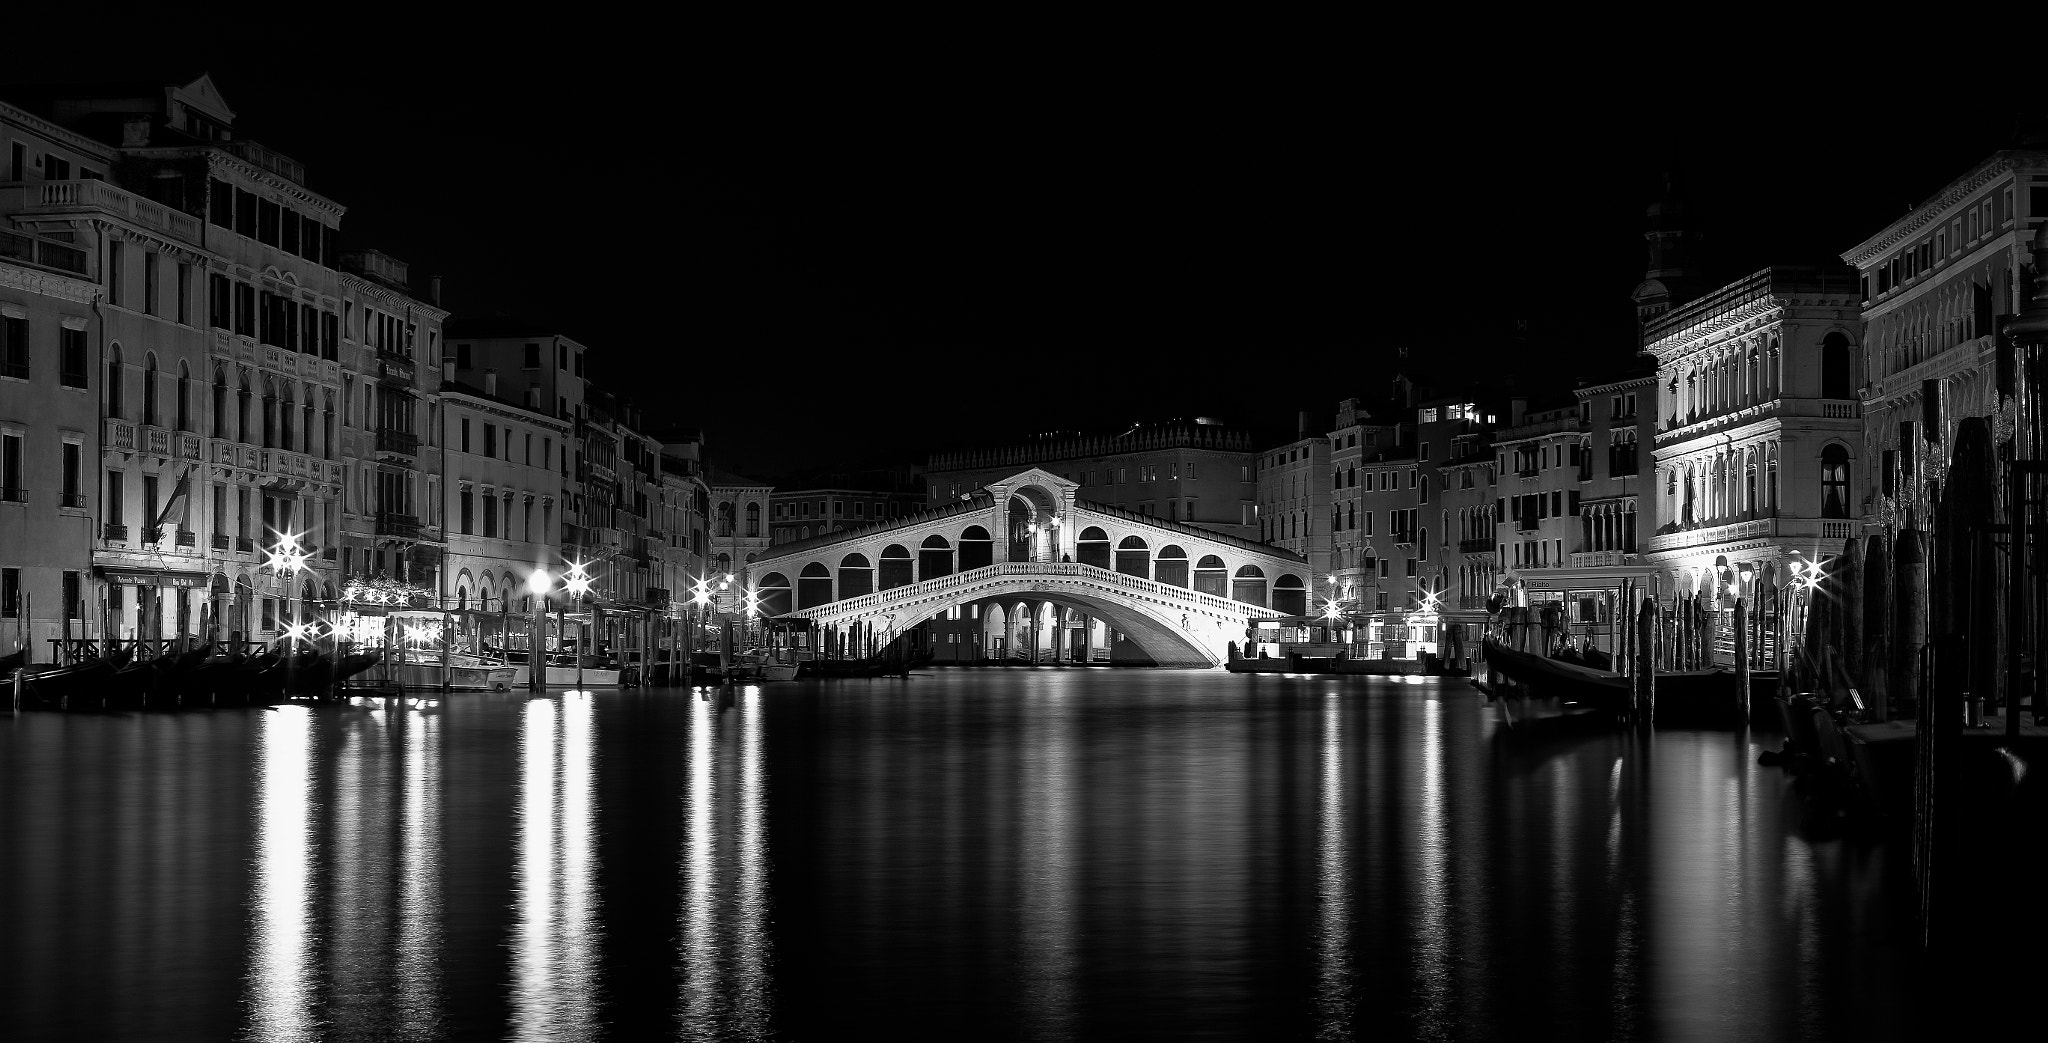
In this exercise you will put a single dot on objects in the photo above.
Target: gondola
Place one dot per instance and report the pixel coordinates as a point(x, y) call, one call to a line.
point(171, 674)
point(74, 686)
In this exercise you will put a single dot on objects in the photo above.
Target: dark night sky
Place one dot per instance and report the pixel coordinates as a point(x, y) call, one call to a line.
point(849, 262)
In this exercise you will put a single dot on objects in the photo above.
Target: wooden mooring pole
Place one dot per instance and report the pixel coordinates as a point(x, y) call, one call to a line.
point(1741, 662)
point(1644, 708)
point(1877, 630)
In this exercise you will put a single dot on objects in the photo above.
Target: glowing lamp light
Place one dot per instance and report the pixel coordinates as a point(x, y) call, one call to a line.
point(419, 635)
point(539, 582)
point(287, 557)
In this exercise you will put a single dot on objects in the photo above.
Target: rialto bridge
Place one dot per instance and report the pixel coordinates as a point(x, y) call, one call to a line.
point(1181, 593)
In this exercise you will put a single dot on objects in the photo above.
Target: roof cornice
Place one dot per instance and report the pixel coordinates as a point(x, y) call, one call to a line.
point(1938, 207)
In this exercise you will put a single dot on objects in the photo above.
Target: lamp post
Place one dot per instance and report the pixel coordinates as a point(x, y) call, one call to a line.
point(701, 594)
point(537, 664)
point(286, 558)
point(577, 584)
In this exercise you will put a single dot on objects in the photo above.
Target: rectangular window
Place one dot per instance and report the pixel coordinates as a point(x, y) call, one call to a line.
point(17, 162)
point(266, 222)
point(490, 516)
point(290, 228)
point(116, 252)
point(185, 294)
point(149, 508)
point(13, 347)
point(219, 301)
point(245, 309)
point(562, 357)
point(112, 508)
point(150, 275)
point(463, 426)
point(10, 593)
point(73, 460)
point(55, 167)
point(10, 467)
point(220, 204)
point(74, 604)
point(490, 440)
point(245, 213)
point(468, 513)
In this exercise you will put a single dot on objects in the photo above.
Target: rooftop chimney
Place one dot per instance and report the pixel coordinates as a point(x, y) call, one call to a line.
point(491, 382)
point(1303, 431)
point(434, 291)
point(448, 370)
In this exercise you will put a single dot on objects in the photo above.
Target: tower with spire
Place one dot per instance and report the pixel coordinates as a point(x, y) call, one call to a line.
point(1670, 281)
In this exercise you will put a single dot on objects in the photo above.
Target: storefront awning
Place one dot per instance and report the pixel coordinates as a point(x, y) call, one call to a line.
point(135, 576)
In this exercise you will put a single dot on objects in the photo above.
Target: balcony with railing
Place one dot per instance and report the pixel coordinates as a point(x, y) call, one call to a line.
point(104, 197)
point(1597, 559)
point(74, 501)
point(404, 526)
point(187, 538)
point(114, 533)
point(219, 542)
point(244, 545)
point(404, 443)
point(1480, 545)
point(44, 253)
point(266, 159)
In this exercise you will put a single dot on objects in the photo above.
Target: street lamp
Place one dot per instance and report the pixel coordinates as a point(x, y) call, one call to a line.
point(577, 584)
point(537, 663)
point(286, 558)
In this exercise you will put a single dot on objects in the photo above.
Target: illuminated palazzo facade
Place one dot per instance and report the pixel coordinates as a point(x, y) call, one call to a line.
point(1935, 285)
point(1758, 431)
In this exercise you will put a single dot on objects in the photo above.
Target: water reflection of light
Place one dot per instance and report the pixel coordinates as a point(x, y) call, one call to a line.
point(1048, 911)
point(1432, 965)
point(699, 970)
point(752, 1007)
point(419, 895)
point(554, 942)
point(279, 986)
point(1333, 942)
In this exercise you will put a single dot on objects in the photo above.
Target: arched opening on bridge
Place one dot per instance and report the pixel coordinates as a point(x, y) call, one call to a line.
point(1249, 586)
point(895, 570)
point(856, 576)
point(977, 550)
point(1290, 596)
point(1092, 548)
point(774, 594)
point(1134, 558)
point(1023, 524)
point(1171, 566)
point(934, 558)
point(814, 586)
point(1212, 576)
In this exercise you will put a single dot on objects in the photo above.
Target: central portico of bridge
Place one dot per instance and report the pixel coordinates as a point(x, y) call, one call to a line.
point(1181, 593)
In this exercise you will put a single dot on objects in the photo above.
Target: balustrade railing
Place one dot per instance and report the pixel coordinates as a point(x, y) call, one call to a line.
point(941, 584)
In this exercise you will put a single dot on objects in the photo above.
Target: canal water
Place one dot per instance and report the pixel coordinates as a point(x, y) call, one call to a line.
point(966, 854)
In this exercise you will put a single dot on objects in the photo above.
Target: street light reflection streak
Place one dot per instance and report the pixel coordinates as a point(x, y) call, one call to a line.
point(699, 963)
point(419, 897)
point(1335, 1000)
point(754, 1009)
point(280, 989)
point(1433, 963)
point(554, 943)
point(1048, 906)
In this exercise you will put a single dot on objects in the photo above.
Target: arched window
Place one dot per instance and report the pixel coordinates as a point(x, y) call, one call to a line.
point(284, 417)
point(149, 415)
point(774, 594)
point(813, 586)
point(1836, 379)
point(1092, 548)
point(1171, 566)
point(306, 421)
point(934, 558)
point(220, 403)
point(977, 550)
point(1134, 557)
point(725, 518)
point(1212, 576)
point(184, 396)
point(753, 519)
point(114, 381)
point(722, 564)
point(895, 571)
point(1249, 585)
point(1289, 595)
point(856, 576)
point(1834, 481)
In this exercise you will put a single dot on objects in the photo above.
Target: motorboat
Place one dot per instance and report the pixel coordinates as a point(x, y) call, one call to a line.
point(428, 670)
